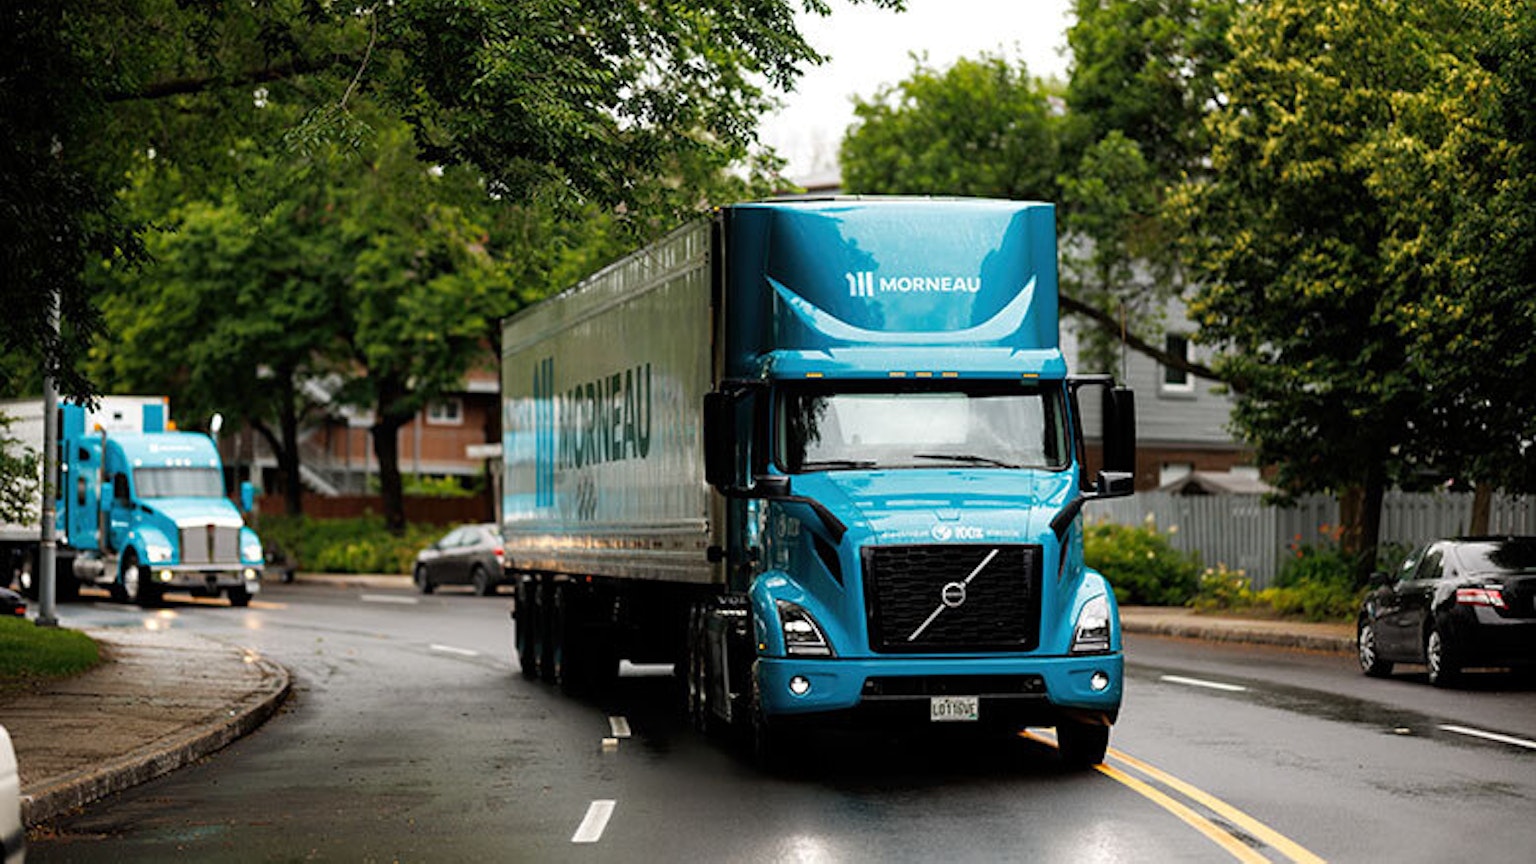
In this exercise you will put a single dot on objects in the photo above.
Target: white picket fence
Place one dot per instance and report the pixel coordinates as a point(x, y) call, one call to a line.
point(1243, 533)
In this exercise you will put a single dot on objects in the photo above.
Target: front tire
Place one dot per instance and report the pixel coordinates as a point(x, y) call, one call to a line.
point(142, 591)
point(239, 597)
point(1082, 745)
point(1370, 658)
point(423, 580)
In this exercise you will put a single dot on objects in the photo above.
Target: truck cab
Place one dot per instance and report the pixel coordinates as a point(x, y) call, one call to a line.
point(142, 509)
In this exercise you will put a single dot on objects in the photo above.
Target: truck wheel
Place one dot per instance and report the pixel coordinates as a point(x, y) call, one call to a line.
point(239, 597)
point(143, 592)
point(700, 712)
point(525, 616)
point(775, 746)
point(1082, 745)
point(25, 574)
point(484, 587)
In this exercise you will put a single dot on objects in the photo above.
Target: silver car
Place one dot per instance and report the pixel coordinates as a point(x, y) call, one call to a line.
point(13, 836)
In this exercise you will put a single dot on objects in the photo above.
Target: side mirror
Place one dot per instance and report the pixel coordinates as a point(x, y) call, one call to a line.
point(247, 497)
point(1380, 579)
point(1120, 430)
point(719, 440)
point(770, 486)
point(1114, 484)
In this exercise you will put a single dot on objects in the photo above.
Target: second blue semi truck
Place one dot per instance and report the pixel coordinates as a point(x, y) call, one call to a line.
point(826, 457)
point(139, 507)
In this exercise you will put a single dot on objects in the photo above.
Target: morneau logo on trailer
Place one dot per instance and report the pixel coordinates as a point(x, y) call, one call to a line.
point(865, 284)
point(607, 419)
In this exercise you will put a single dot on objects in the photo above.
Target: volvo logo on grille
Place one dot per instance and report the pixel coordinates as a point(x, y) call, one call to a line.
point(953, 594)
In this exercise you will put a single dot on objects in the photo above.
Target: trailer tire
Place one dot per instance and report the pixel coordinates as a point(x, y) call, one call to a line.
point(524, 623)
point(550, 634)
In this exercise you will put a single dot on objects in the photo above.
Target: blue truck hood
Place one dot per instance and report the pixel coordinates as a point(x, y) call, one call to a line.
point(942, 505)
point(197, 511)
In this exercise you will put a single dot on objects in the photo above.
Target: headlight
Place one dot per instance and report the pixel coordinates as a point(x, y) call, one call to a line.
point(158, 553)
point(1092, 632)
point(802, 635)
point(250, 550)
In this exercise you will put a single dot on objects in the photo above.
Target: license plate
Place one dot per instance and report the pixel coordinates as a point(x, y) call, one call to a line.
point(944, 709)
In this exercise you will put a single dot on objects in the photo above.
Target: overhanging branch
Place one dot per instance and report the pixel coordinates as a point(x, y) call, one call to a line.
point(202, 84)
point(1107, 322)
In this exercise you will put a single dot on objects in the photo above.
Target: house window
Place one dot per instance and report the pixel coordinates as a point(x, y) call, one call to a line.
point(446, 412)
point(1176, 380)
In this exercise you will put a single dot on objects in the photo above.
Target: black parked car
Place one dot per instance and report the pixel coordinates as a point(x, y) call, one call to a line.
point(467, 555)
point(1453, 605)
point(11, 603)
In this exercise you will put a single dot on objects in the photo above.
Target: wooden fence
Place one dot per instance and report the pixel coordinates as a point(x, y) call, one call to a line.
point(1243, 533)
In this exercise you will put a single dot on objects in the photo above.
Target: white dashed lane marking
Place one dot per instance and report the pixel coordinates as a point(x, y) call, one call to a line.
point(1209, 685)
point(390, 598)
point(1490, 736)
point(591, 828)
point(449, 649)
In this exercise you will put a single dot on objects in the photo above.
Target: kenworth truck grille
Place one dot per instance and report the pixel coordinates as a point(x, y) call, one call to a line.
point(952, 598)
point(210, 544)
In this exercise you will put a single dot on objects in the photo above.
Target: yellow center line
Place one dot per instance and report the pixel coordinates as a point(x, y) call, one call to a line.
point(1274, 839)
point(1213, 831)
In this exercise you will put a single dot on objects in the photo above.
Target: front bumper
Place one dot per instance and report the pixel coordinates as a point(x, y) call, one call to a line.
point(194, 576)
point(1013, 690)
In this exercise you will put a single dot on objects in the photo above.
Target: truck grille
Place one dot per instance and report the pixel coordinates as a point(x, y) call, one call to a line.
point(210, 544)
point(952, 598)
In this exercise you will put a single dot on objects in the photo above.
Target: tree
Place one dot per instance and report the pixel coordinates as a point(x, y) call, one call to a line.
point(1458, 171)
point(581, 101)
point(1290, 241)
point(981, 127)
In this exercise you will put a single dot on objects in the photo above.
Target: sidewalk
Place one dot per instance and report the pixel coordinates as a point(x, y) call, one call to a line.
point(164, 699)
point(160, 700)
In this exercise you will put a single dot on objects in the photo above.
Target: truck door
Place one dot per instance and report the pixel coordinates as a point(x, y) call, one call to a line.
point(82, 503)
point(119, 512)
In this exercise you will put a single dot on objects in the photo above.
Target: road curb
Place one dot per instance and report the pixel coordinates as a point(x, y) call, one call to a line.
point(56, 795)
point(1239, 635)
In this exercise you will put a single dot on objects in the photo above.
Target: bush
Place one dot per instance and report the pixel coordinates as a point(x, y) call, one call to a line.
point(1317, 582)
point(361, 545)
point(1140, 564)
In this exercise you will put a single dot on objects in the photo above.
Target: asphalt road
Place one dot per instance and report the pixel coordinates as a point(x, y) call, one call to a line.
point(411, 737)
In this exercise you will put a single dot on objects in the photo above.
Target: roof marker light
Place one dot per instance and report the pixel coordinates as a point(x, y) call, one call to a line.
point(813, 374)
point(925, 374)
point(951, 374)
point(898, 374)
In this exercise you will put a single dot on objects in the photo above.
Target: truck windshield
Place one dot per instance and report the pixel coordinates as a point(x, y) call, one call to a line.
point(179, 482)
point(826, 428)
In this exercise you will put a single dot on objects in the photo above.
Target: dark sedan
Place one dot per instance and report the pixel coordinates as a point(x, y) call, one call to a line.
point(467, 555)
point(1453, 605)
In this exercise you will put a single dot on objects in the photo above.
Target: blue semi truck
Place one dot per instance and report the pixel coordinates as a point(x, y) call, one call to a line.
point(140, 507)
point(825, 456)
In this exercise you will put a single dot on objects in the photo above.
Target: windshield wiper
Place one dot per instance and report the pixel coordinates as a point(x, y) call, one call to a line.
point(837, 464)
point(967, 458)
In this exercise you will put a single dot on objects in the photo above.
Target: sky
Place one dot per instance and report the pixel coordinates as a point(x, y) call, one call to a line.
point(871, 47)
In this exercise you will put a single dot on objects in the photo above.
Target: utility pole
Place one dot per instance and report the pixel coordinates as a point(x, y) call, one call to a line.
point(47, 552)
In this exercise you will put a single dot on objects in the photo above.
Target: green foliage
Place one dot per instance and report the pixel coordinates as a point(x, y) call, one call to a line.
point(362, 545)
point(19, 473)
point(1316, 583)
point(1140, 564)
point(981, 127)
point(30, 654)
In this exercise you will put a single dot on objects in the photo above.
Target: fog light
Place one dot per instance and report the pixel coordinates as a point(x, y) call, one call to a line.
point(799, 685)
point(1099, 681)
point(164, 576)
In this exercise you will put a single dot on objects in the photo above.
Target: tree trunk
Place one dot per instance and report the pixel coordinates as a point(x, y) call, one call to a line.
point(386, 446)
point(288, 456)
point(1360, 516)
point(1482, 510)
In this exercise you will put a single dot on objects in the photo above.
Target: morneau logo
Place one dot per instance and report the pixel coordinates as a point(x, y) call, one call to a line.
point(864, 284)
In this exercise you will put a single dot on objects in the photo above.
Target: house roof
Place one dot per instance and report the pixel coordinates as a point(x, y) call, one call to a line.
point(1216, 483)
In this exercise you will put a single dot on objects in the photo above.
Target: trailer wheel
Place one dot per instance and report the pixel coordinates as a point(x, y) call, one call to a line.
point(550, 634)
point(524, 622)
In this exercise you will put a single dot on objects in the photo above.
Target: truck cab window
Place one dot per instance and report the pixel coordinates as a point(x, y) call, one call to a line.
point(824, 428)
point(179, 482)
